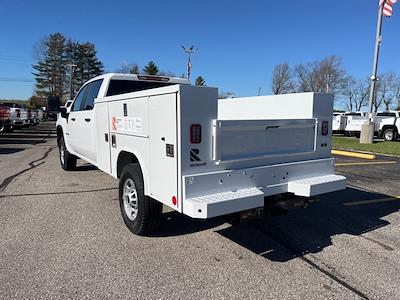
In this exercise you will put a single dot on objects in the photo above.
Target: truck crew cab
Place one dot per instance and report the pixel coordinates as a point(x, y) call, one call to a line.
point(172, 143)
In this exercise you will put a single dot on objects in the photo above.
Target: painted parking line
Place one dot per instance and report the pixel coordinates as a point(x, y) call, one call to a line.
point(373, 201)
point(365, 163)
point(353, 154)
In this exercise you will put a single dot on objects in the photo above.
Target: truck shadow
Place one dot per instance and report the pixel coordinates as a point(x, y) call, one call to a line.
point(310, 230)
point(10, 150)
point(17, 141)
point(176, 224)
point(26, 137)
point(84, 167)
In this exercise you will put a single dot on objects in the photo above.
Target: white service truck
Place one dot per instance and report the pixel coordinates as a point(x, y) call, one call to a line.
point(339, 122)
point(171, 143)
point(386, 123)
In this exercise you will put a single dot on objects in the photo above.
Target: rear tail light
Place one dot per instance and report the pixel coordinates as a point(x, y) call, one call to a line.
point(324, 128)
point(195, 133)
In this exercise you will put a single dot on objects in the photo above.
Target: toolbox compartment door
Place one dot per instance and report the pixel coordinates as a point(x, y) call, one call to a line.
point(103, 144)
point(164, 149)
point(238, 140)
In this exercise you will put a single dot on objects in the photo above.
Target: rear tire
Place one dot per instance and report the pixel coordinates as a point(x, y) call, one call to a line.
point(141, 214)
point(389, 134)
point(67, 160)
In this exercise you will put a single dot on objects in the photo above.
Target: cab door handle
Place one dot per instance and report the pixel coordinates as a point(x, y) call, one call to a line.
point(87, 119)
point(72, 119)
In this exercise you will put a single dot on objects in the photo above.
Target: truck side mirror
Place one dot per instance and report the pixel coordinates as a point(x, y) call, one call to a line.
point(63, 112)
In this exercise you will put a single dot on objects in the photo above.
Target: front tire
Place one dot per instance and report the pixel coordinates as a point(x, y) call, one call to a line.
point(141, 214)
point(67, 160)
point(389, 134)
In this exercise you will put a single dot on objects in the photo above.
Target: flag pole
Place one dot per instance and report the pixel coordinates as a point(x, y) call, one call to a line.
point(378, 42)
point(367, 131)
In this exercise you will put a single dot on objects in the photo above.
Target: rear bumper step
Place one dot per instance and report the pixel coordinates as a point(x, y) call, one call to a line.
point(219, 204)
point(317, 185)
point(223, 203)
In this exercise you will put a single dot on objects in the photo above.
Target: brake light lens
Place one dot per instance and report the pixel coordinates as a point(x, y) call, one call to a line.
point(153, 78)
point(195, 133)
point(324, 128)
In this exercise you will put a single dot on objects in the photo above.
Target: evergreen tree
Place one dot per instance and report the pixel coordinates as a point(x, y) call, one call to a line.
point(53, 72)
point(87, 65)
point(200, 81)
point(50, 69)
point(151, 68)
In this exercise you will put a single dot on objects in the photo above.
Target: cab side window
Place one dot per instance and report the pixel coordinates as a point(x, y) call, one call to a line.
point(80, 99)
point(93, 91)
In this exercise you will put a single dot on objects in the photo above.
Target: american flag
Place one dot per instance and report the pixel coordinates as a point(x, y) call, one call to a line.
point(387, 8)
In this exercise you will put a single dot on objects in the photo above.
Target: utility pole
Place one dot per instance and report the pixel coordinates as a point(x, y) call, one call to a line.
point(71, 81)
point(328, 79)
point(259, 90)
point(189, 52)
point(367, 129)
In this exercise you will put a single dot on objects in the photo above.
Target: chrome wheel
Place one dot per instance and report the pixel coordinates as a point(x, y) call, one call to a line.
point(130, 198)
point(389, 135)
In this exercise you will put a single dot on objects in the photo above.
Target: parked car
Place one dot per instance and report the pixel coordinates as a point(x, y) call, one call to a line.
point(354, 121)
point(40, 115)
point(389, 125)
point(5, 121)
point(18, 115)
point(34, 117)
point(386, 124)
point(53, 107)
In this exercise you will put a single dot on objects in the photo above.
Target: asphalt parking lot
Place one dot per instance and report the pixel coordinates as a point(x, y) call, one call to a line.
point(61, 236)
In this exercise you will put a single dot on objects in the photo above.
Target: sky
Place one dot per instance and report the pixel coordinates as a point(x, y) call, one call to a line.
point(239, 42)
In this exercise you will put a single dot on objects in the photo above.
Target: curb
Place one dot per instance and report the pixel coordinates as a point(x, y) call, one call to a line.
point(353, 154)
point(366, 152)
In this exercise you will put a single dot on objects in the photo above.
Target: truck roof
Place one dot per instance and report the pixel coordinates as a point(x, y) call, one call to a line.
point(141, 77)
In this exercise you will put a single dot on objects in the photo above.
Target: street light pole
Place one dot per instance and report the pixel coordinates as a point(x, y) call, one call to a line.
point(367, 129)
point(189, 52)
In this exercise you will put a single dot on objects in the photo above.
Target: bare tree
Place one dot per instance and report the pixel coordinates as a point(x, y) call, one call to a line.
point(331, 74)
point(282, 79)
point(386, 91)
point(349, 92)
point(306, 75)
point(166, 73)
point(397, 90)
point(362, 94)
point(326, 75)
point(129, 68)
